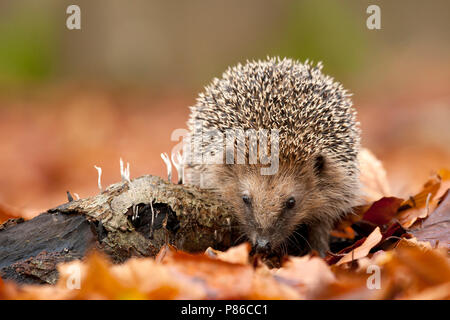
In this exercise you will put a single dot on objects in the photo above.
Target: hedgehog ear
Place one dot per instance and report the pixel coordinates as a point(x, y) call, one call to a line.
point(319, 164)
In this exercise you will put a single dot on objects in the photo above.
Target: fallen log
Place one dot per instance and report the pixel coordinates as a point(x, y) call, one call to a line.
point(129, 219)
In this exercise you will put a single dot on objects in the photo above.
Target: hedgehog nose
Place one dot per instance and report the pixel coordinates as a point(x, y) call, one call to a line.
point(262, 246)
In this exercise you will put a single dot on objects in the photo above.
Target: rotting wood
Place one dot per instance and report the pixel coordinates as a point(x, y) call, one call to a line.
point(189, 218)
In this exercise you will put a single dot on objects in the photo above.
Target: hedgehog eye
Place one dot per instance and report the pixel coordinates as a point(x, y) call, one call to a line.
point(319, 164)
point(246, 199)
point(290, 203)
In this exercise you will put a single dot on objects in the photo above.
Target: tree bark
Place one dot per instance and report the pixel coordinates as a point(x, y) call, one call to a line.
point(130, 218)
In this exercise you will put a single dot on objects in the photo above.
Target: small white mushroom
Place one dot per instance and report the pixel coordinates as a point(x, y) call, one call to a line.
point(99, 181)
point(178, 162)
point(125, 172)
point(166, 160)
point(135, 210)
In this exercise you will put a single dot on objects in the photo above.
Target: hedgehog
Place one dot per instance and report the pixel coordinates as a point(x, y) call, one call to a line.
point(316, 182)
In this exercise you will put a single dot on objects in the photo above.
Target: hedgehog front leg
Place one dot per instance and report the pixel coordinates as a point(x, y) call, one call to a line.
point(318, 238)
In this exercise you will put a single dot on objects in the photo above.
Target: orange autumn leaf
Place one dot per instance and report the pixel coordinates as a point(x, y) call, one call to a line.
point(445, 183)
point(363, 250)
point(408, 217)
point(265, 286)
point(420, 205)
point(420, 199)
point(308, 274)
point(409, 271)
point(135, 279)
point(346, 233)
point(413, 269)
point(435, 228)
point(440, 292)
point(373, 177)
point(444, 174)
point(238, 254)
point(222, 279)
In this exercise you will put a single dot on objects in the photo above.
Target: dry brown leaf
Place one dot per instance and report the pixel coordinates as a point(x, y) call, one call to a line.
point(223, 279)
point(420, 205)
point(363, 250)
point(343, 232)
point(238, 254)
point(414, 269)
point(98, 281)
point(308, 274)
point(382, 211)
point(409, 217)
point(444, 174)
point(266, 287)
point(348, 285)
point(419, 200)
point(156, 281)
point(413, 242)
point(436, 228)
point(441, 292)
point(135, 279)
point(375, 184)
point(445, 182)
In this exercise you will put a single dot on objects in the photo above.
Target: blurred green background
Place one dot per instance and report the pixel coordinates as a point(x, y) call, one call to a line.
point(186, 43)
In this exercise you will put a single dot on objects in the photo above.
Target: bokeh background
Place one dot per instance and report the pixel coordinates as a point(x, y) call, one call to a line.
point(72, 99)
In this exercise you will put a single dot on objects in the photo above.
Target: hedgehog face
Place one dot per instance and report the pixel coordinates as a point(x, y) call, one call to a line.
point(272, 209)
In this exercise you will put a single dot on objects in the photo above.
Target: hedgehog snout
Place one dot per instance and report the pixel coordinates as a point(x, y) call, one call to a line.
point(261, 245)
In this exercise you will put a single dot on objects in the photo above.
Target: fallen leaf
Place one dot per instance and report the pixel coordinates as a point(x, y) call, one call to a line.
point(420, 199)
point(97, 281)
point(346, 233)
point(307, 274)
point(266, 287)
point(238, 254)
point(444, 174)
point(421, 205)
point(382, 211)
point(363, 250)
point(436, 228)
point(441, 292)
point(332, 258)
point(373, 177)
point(414, 268)
point(223, 280)
point(394, 233)
point(348, 286)
point(413, 242)
point(445, 183)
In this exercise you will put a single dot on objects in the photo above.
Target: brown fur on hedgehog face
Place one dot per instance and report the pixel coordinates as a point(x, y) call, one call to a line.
point(271, 208)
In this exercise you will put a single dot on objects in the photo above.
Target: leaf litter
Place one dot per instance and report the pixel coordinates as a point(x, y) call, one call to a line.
point(406, 240)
